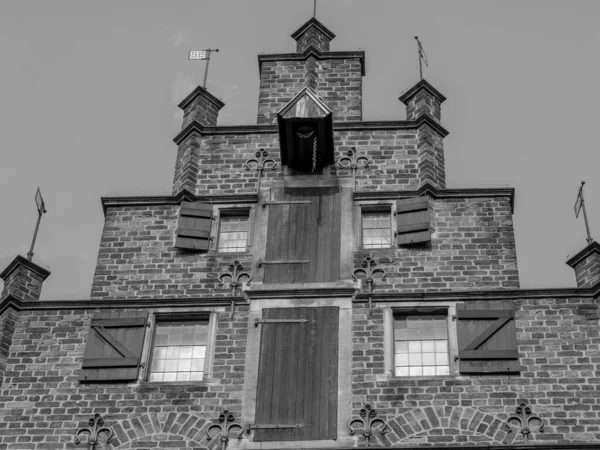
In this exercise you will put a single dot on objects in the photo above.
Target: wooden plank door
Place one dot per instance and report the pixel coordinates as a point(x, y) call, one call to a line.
point(297, 374)
point(303, 235)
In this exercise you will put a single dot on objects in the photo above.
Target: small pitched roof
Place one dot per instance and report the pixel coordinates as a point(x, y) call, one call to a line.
point(306, 104)
point(316, 24)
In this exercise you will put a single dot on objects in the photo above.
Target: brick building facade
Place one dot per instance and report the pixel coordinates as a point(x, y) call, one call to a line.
point(311, 279)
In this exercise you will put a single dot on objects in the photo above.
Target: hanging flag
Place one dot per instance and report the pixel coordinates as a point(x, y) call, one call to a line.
point(198, 54)
point(579, 201)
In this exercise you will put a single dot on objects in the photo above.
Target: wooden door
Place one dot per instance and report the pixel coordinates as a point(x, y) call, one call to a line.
point(297, 376)
point(303, 235)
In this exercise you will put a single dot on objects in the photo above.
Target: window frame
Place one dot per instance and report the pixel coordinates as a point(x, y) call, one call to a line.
point(157, 317)
point(419, 309)
point(228, 211)
point(375, 208)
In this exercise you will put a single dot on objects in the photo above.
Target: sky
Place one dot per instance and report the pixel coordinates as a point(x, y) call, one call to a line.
point(89, 93)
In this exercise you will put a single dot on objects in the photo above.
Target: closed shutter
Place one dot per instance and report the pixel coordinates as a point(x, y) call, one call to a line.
point(412, 220)
point(193, 228)
point(297, 375)
point(303, 235)
point(487, 337)
point(114, 346)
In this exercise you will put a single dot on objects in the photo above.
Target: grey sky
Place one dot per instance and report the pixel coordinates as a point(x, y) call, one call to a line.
point(89, 92)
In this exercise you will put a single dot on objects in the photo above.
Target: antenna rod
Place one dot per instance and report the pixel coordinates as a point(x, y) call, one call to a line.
point(589, 239)
point(206, 67)
point(37, 226)
point(315, 9)
point(422, 57)
point(41, 207)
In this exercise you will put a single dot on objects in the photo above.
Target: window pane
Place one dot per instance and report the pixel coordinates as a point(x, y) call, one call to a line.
point(179, 351)
point(421, 343)
point(376, 229)
point(233, 232)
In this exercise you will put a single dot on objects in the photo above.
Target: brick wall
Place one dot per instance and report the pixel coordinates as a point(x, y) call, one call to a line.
point(338, 83)
point(214, 164)
point(137, 258)
point(586, 264)
point(473, 247)
point(7, 327)
point(42, 403)
point(559, 348)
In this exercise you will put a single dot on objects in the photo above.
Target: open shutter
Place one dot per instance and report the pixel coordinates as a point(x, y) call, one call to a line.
point(297, 386)
point(193, 229)
point(487, 337)
point(412, 220)
point(114, 346)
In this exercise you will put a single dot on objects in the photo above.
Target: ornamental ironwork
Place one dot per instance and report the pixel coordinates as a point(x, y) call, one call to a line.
point(368, 418)
point(368, 270)
point(94, 429)
point(262, 162)
point(236, 274)
point(225, 427)
point(524, 416)
point(353, 161)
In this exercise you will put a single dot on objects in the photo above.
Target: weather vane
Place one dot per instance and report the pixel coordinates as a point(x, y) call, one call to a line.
point(202, 55)
point(422, 57)
point(579, 205)
point(41, 207)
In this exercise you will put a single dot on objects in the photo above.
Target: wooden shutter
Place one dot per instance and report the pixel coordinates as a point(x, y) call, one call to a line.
point(487, 337)
point(412, 220)
point(114, 346)
point(193, 229)
point(297, 375)
point(307, 235)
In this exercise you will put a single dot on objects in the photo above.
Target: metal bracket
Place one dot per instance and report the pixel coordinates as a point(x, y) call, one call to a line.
point(283, 261)
point(289, 202)
point(259, 321)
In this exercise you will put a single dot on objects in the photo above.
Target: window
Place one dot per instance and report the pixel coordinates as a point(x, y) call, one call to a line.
point(179, 350)
point(233, 231)
point(448, 338)
point(376, 228)
point(421, 344)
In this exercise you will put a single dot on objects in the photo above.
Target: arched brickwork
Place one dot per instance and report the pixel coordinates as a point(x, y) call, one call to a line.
point(157, 427)
point(445, 425)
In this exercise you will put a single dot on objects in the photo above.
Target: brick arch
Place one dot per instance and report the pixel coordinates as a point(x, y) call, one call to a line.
point(444, 422)
point(159, 427)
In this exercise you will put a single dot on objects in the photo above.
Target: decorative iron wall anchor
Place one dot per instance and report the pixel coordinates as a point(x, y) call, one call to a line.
point(368, 418)
point(235, 273)
point(523, 416)
point(96, 426)
point(262, 163)
point(353, 161)
point(225, 427)
point(367, 269)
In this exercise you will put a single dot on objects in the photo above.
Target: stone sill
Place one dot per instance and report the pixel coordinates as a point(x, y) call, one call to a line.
point(345, 288)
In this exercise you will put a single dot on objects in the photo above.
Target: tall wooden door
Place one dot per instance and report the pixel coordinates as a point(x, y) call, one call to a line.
point(303, 235)
point(297, 389)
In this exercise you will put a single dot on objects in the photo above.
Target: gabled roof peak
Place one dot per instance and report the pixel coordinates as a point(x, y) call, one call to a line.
point(313, 23)
point(305, 103)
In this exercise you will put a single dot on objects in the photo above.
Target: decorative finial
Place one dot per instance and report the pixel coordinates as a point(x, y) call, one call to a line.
point(368, 417)
point(523, 416)
point(94, 428)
